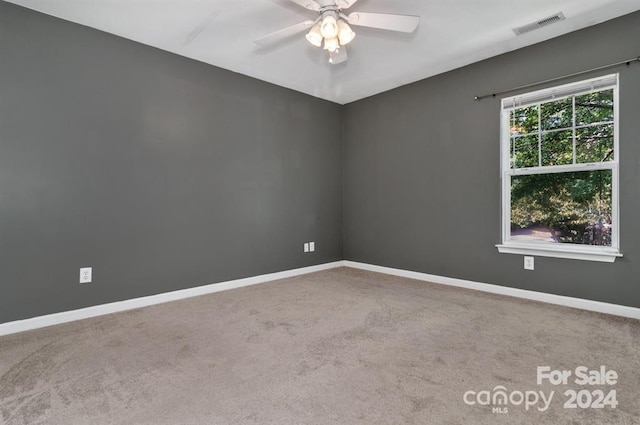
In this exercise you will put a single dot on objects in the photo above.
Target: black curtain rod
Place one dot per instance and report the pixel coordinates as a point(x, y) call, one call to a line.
point(550, 80)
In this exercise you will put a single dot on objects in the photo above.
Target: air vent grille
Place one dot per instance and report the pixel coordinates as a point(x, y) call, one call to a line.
point(539, 24)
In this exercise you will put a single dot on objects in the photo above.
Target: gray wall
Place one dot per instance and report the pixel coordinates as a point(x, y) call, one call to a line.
point(159, 172)
point(422, 171)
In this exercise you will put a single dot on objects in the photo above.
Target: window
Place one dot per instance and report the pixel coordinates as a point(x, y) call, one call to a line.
point(560, 171)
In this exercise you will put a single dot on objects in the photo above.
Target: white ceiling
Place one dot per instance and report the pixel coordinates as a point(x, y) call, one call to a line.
point(451, 34)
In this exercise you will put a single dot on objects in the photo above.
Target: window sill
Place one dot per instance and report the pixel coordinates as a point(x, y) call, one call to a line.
point(607, 255)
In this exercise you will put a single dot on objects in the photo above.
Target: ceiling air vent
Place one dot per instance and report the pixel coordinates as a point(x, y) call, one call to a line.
point(539, 24)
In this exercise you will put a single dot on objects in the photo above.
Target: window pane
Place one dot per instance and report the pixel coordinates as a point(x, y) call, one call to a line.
point(524, 152)
point(558, 114)
point(557, 148)
point(562, 208)
point(594, 107)
point(594, 144)
point(524, 120)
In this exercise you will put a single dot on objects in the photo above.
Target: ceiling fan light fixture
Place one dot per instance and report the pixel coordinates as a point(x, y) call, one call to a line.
point(331, 30)
point(331, 44)
point(314, 37)
point(329, 26)
point(345, 33)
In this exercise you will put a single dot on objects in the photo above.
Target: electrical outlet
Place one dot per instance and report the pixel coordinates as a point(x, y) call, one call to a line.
point(85, 275)
point(312, 246)
point(306, 247)
point(528, 263)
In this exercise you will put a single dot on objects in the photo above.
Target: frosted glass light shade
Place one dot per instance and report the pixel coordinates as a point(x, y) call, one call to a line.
point(331, 44)
point(329, 27)
point(345, 34)
point(314, 37)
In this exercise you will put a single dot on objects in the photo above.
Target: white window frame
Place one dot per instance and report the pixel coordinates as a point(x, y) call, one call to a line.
point(559, 250)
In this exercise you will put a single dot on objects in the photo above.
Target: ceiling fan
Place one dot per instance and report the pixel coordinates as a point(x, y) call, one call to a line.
point(331, 28)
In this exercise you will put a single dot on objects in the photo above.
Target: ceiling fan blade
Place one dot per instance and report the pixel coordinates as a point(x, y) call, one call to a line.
point(287, 32)
point(308, 4)
point(385, 21)
point(339, 56)
point(345, 4)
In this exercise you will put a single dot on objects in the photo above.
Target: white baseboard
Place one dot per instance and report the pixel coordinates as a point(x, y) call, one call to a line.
point(99, 310)
point(597, 306)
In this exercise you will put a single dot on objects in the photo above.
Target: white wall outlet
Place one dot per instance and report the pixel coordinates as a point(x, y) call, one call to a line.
point(528, 263)
point(85, 275)
point(312, 246)
point(306, 247)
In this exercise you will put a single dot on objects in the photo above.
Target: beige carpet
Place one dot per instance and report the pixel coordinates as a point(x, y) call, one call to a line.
point(337, 347)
